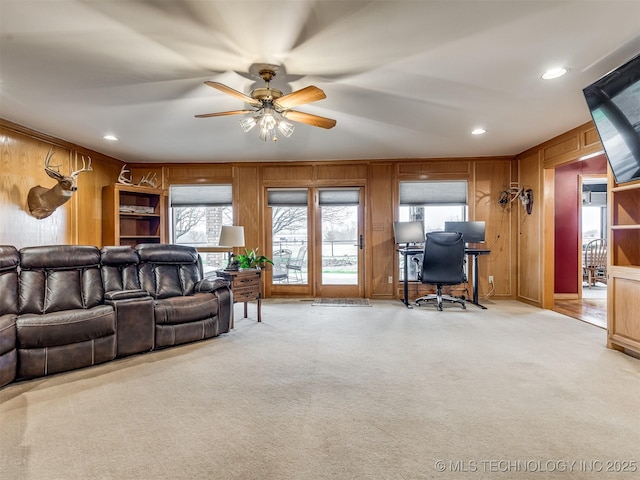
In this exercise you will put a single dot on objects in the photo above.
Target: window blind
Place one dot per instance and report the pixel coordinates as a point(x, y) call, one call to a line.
point(343, 196)
point(436, 192)
point(287, 197)
point(200, 195)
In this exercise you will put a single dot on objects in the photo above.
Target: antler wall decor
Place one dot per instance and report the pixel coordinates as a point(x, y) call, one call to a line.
point(515, 192)
point(122, 178)
point(42, 201)
point(148, 179)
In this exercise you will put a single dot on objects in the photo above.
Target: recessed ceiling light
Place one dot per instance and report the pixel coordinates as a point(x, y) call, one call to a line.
point(478, 131)
point(554, 73)
point(111, 138)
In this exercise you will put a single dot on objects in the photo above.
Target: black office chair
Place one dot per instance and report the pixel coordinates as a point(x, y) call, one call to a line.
point(442, 264)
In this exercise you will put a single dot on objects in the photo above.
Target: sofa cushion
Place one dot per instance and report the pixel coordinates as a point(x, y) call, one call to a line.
point(66, 327)
point(7, 333)
point(8, 366)
point(166, 281)
point(38, 362)
point(59, 257)
point(59, 277)
point(176, 310)
point(163, 253)
point(119, 268)
point(9, 260)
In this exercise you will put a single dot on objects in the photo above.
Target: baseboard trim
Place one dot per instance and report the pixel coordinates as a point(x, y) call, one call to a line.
point(565, 296)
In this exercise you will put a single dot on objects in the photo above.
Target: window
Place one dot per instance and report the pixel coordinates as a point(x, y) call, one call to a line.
point(432, 202)
point(197, 214)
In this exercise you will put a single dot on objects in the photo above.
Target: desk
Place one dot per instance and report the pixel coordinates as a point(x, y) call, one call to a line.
point(408, 252)
point(475, 253)
point(471, 252)
point(246, 285)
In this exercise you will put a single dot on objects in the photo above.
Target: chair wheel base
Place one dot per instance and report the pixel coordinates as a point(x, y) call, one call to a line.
point(439, 300)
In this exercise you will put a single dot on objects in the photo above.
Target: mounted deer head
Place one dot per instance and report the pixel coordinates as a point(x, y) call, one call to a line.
point(42, 201)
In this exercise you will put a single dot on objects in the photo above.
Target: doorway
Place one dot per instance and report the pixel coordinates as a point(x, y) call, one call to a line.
point(580, 217)
point(593, 239)
point(316, 241)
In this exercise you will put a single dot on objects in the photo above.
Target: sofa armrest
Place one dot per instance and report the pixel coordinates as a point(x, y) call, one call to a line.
point(115, 295)
point(210, 285)
point(222, 290)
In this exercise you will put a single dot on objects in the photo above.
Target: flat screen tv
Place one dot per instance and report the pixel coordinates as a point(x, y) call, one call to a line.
point(614, 103)
point(472, 232)
point(408, 232)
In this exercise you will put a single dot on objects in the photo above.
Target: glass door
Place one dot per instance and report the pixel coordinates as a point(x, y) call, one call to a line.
point(339, 242)
point(316, 242)
point(290, 231)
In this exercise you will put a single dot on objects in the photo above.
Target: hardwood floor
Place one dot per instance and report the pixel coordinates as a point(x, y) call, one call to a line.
point(592, 308)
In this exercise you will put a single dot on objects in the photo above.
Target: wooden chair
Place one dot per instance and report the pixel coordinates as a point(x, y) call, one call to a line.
point(594, 262)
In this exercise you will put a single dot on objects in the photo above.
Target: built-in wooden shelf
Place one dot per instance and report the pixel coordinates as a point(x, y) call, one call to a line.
point(623, 285)
point(122, 226)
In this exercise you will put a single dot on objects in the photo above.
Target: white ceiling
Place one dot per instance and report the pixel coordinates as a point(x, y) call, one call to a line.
point(403, 79)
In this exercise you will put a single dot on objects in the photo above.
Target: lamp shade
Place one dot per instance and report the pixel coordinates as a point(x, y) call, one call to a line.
point(231, 236)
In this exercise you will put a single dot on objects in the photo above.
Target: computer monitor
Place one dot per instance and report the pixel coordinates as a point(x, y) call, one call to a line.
point(472, 232)
point(408, 232)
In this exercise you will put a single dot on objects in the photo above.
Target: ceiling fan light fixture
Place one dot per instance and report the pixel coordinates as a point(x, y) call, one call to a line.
point(286, 127)
point(268, 119)
point(272, 110)
point(265, 134)
point(248, 123)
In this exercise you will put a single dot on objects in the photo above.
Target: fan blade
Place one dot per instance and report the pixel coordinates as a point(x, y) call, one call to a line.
point(300, 97)
point(309, 119)
point(221, 114)
point(234, 93)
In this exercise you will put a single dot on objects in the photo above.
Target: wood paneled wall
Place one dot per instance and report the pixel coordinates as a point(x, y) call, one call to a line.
point(381, 259)
point(522, 245)
point(530, 230)
point(78, 221)
point(487, 177)
point(491, 178)
point(535, 236)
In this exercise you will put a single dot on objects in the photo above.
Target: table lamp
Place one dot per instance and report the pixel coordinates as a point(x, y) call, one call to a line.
point(231, 236)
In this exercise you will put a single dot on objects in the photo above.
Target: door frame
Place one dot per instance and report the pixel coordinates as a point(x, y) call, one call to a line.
point(344, 291)
point(313, 287)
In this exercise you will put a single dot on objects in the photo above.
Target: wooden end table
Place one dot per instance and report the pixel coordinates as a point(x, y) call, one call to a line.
point(246, 286)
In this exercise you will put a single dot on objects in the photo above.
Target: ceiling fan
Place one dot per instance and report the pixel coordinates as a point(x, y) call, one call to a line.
point(272, 108)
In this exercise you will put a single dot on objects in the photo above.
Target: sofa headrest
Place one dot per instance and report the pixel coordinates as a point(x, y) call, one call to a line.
point(165, 253)
point(119, 255)
point(9, 257)
point(59, 256)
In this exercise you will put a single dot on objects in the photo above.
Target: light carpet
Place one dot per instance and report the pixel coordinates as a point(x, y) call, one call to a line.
point(382, 393)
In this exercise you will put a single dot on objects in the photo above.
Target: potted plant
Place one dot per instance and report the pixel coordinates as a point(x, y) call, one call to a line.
point(250, 259)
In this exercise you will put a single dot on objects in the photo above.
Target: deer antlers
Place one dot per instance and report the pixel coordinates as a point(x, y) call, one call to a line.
point(149, 179)
point(122, 178)
point(85, 168)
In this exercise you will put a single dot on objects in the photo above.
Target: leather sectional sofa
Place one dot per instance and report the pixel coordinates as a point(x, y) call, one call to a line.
point(64, 307)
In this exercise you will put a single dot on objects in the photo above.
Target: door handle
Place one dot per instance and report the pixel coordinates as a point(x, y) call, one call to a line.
point(361, 242)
